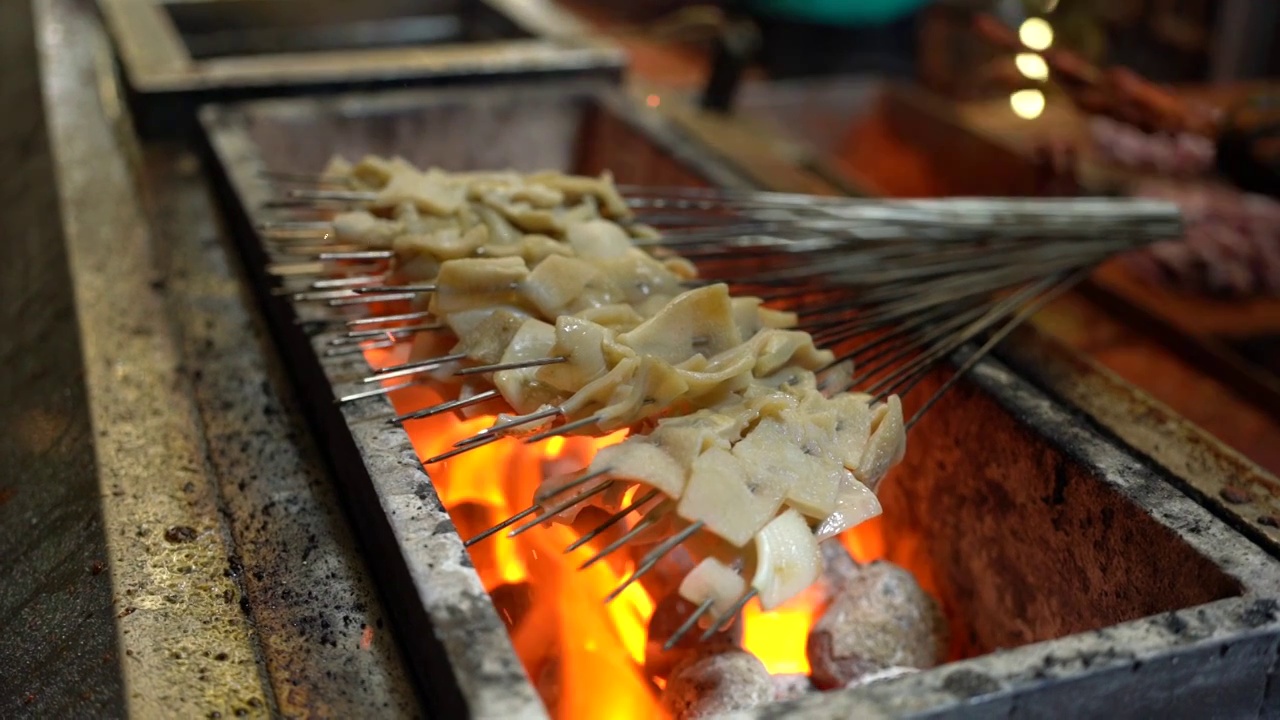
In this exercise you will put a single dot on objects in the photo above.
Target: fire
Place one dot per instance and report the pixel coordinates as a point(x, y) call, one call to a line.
point(778, 637)
point(585, 657)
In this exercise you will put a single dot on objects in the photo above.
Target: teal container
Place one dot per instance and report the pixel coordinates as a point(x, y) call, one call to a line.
point(847, 13)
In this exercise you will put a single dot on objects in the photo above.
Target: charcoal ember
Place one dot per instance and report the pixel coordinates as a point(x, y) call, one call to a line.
point(471, 519)
point(710, 685)
point(513, 602)
point(791, 686)
point(546, 676)
point(881, 619)
point(665, 577)
point(667, 617)
point(838, 568)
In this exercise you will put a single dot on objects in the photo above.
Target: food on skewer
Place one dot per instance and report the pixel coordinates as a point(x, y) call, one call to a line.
point(535, 298)
point(539, 278)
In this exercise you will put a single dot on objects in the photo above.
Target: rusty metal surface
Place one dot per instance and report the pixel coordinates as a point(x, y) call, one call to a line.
point(1220, 478)
point(1218, 659)
point(235, 587)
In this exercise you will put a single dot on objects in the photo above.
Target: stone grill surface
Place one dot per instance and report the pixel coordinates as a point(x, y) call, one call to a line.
point(1075, 577)
point(132, 337)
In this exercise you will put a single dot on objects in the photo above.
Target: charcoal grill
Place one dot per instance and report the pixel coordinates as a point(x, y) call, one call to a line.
point(1110, 556)
point(1082, 581)
point(178, 53)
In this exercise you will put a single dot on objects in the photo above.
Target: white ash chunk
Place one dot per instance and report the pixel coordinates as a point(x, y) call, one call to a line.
point(710, 685)
point(881, 619)
point(791, 687)
point(877, 676)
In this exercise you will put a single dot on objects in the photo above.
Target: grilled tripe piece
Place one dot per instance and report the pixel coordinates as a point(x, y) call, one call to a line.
point(727, 420)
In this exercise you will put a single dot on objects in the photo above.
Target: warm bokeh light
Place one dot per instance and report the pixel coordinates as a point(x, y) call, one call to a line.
point(1027, 104)
point(1032, 66)
point(1036, 34)
point(653, 101)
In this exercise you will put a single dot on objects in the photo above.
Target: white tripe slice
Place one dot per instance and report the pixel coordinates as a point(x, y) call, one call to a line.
point(337, 166)
point(642, 231)
point(685, 437)
point(776, 349)
point(525, 216)
point(787, 559)
point(680, 267)
point(581, 342)
point(537, 248)
point(447, 243)
point(533, 341)
point(727, 499)
point(653, 388)
point(789, 448)
point(637, 277)
point(577, 186)
point(558, 281)
point(480, 180)
point(617, 317)
point(888, 443)
point(853, 427)
point(637, 460)
point(501, 231)
point(698, 321)
point(855, 504)
point(751, 317)
point(476, 283)
point(838, 376)
point(727, 372)
point(359, 227)
point(430, 192)
point(598, 240)
point(746, 315)
point(374, 171)
point(597, 394)
point(487, 341)
point(539, 196)
point(713, 580)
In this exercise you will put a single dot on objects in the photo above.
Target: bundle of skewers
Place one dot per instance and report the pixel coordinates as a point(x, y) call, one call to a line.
point(1232, 243)
point(755, 345)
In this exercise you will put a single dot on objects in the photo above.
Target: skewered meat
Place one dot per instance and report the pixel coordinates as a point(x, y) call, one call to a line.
point(1180, 154)
point(1231, 246)
point(539, 277)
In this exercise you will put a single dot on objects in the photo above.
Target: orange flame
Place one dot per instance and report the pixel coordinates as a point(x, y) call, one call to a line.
point(585, 658)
